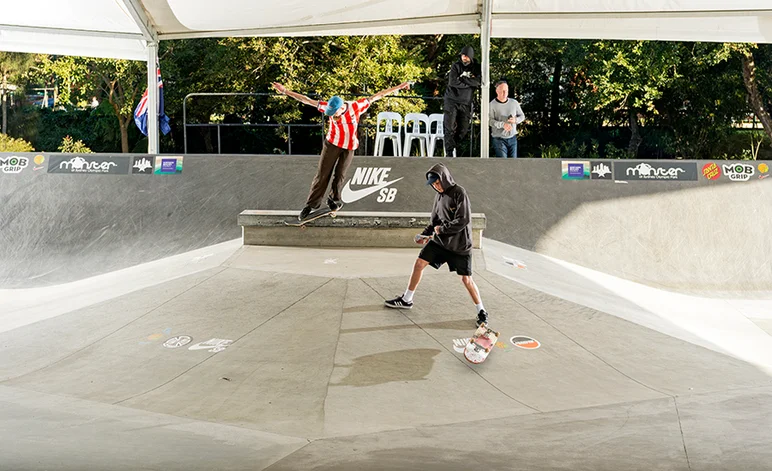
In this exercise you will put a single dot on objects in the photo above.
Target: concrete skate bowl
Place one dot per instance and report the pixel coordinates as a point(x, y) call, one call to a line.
point(293, 363)
point(285, 359)
point(707, 236)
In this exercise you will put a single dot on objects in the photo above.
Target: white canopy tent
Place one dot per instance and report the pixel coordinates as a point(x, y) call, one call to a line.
point(131, 29)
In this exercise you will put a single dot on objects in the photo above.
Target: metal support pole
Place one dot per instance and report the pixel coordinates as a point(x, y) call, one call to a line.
point(185, 125)
point(219, 141)
point(152, 98)
point(485, 44)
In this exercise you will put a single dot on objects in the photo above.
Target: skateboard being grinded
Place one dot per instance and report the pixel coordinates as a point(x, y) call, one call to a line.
point(312, 216)
point(481, 344)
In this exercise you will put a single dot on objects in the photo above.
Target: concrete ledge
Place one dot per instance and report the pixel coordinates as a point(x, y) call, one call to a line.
point(348, 229)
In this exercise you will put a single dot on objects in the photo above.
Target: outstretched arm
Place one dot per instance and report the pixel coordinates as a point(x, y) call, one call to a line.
point(383, 93)
point(301, 98)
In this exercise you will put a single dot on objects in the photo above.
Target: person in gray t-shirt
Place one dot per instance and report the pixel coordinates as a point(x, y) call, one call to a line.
point(505, 114)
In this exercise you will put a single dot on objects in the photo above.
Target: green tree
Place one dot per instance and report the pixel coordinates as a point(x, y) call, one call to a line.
point(14, 66)
point(755, 79)
point(9, 144)
point(348, 66)
point(699, 108)
point(628, 77)
point(71, 146)
point(120, 82)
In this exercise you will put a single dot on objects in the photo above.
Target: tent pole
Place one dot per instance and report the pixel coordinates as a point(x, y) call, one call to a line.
point(485, 45)
point(152, 97)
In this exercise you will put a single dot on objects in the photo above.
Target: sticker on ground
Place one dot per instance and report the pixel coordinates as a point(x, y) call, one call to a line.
point(153, 337)
point(178, 341)
point(460, 344)
point(212, 345)
point(515, 263)
point(522, 341)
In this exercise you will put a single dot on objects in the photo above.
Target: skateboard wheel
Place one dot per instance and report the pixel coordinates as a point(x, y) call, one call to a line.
point(471, 342)
point(487, 350)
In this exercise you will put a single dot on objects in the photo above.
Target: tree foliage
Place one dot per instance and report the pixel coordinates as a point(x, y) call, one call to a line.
point(71, 146)
point(119, 82)
point(14, 67)
point(582, 98)
point(10, 144)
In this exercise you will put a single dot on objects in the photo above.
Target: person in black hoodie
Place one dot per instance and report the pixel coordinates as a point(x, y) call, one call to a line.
point(463, 79)
point(447, 239)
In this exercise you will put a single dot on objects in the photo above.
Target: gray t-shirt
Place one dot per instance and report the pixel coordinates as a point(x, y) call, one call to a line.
point(500, 113)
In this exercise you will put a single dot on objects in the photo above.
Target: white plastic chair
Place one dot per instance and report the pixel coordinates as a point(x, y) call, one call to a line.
point(419, 130)
point(435, 121)
point(388, 118)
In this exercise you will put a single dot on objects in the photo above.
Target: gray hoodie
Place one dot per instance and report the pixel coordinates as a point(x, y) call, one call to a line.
point(452, 212)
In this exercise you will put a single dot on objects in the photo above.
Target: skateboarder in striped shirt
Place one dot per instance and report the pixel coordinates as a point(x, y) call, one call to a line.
point(339, 145)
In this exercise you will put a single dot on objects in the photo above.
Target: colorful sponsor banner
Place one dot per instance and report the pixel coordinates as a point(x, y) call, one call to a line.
point(711, 171)
point(739, 172)
point(91, 165)
point(39, 160)
point(655, 170)
point(13, 164)
point(168, 165)
point(763, 171)
point(576, 170)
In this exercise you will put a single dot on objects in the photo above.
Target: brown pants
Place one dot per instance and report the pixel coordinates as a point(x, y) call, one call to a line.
point(331, 155)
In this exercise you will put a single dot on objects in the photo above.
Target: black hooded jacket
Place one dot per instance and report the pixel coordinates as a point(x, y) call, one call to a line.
point(452, 213)
point(460, 89)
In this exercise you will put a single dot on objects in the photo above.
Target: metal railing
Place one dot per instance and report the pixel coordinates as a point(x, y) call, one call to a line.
point(364, 126)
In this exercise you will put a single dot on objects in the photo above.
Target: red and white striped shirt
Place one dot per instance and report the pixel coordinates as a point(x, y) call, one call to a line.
point(342, 131)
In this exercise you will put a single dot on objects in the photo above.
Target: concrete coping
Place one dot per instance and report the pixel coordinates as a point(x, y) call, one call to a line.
point(369, 219)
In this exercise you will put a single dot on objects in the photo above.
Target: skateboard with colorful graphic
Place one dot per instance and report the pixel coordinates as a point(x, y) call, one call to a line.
point(313, 216)
point(481, 344)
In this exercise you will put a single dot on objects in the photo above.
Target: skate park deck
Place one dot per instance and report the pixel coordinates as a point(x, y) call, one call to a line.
point(382, 229)
point(320, 376)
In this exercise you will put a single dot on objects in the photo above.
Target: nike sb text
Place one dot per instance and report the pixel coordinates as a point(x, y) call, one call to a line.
point(376, 179)
point(370, 175)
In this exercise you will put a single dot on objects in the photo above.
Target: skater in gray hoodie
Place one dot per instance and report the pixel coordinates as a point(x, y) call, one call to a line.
point(447, 239)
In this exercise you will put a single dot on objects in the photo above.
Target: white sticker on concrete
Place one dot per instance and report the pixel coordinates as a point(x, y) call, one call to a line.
point(178, 341)
point(212, 345)
point(460, 344)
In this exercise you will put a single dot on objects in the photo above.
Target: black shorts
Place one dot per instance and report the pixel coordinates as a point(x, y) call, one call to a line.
point(436, 255)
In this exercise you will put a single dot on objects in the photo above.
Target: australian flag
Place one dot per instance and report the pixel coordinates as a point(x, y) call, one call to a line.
point(140, 113)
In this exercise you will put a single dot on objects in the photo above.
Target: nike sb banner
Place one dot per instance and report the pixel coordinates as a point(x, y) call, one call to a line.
point(368, 181)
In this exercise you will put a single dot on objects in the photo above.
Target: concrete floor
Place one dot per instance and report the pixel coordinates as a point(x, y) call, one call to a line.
point(320, 376)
